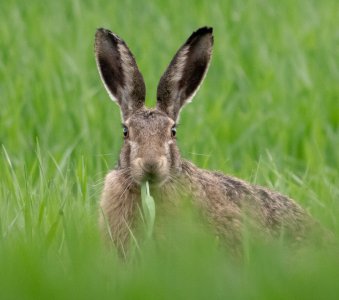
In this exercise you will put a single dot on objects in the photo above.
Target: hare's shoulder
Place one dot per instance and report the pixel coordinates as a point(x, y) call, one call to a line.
point(115, 179)
point(118, 188)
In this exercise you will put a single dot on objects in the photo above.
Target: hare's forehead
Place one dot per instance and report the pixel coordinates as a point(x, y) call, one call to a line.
point(149, 119)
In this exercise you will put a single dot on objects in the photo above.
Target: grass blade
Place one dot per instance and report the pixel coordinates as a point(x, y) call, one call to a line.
point(148, 208)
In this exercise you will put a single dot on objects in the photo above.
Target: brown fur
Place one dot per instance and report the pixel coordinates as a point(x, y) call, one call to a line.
point(150, 153)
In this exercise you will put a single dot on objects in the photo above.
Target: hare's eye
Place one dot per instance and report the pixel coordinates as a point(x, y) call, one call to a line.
point(125, 131)
point(173, 131)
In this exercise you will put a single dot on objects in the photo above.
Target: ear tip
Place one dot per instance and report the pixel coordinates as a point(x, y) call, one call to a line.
point(200, 32)
point(104, 33)
point(205, 30)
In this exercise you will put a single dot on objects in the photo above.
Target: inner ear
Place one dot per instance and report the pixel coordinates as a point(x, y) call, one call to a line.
point(119, 72)
point(185, 73)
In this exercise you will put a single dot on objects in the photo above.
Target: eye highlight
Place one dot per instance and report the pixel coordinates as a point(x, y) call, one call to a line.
point(173, 131)
point(125, 131)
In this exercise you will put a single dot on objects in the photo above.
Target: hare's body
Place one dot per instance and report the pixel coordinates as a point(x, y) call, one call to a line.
point(224, 200)
point(150, 152)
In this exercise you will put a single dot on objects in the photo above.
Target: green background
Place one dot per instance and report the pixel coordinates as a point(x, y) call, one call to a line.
point(267, 112)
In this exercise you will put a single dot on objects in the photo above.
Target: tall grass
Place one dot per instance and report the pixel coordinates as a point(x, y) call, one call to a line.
point(267, 112)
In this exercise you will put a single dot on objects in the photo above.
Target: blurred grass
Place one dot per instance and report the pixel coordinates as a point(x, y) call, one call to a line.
point(267, 112)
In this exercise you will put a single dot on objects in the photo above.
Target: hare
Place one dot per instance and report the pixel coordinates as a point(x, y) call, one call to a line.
point(150, 153)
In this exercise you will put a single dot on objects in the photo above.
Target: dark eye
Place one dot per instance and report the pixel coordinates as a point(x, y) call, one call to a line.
point(125, 131)
point(173, 131)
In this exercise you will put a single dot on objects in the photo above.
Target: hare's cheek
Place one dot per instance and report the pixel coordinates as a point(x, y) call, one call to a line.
point(163, 166)
point(168, 147)
point(134, 149)
point(173, 154)
point(124, 158)
point(136, 170)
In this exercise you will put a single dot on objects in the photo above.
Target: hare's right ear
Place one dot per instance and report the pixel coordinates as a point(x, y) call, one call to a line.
point(185, 73)
point(119, 72)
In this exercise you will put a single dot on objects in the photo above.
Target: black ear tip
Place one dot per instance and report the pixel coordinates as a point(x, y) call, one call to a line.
point(204, 30)
point(200, 32)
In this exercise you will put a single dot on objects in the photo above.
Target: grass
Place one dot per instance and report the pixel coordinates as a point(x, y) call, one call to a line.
point(267, 112)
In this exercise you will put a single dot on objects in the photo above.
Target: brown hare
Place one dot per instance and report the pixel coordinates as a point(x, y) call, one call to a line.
point(150, 152)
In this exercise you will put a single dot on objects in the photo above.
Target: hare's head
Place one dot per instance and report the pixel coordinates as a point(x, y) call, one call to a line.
point(149, 151)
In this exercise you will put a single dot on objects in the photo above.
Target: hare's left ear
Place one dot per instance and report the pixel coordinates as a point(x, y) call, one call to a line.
point(119, 72)
point(185, 73)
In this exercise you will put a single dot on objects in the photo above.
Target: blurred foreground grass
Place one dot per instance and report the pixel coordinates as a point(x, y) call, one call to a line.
point(267, 112)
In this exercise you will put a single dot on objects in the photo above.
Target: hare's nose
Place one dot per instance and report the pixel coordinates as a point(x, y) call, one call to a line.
point(150, 166)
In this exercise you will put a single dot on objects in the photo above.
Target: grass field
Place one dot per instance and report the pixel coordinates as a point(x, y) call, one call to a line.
point(268, 112)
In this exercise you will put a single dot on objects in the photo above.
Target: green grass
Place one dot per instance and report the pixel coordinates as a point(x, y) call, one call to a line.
point(268, 112)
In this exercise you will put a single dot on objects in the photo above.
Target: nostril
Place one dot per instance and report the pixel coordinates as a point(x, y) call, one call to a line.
point(150, 166)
